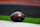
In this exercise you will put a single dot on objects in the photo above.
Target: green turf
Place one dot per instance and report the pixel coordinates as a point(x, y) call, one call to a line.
point(3, 17)
point(27, 19)
point(32, 20)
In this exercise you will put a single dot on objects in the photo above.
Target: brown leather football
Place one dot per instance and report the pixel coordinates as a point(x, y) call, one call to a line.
point(17, 16)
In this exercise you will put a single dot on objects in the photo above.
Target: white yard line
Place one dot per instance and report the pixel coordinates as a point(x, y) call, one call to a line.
point(17, 24)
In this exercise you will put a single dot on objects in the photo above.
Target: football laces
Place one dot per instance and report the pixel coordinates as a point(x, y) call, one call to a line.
point(19, 14)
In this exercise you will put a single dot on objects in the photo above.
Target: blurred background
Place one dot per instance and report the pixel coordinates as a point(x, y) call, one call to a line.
point(30, 8)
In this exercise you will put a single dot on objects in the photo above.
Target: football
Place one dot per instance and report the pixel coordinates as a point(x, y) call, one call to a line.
point(17, 16)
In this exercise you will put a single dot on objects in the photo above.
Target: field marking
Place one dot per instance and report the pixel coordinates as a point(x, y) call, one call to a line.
point(16, 24)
